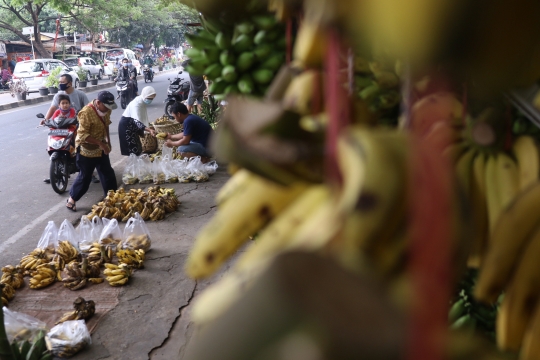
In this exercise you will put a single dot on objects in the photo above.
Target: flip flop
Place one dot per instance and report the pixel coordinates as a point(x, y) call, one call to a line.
point(73, 207)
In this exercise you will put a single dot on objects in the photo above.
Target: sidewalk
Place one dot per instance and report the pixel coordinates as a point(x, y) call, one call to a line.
point(149, 318)
point(9, 102)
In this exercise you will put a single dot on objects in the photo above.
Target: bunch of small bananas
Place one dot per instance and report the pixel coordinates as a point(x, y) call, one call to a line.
point(12, 276)
point(137, 242)
point(42, 276)
point(8, 293)
point(110, 242)
point(98, 254)
point(134, 258)
point(33, 260)
point(117, 275)
point(153, 156)
point(67, 251)
point(77, 275)
point(82, 310)
point(129, 179)
point(64, 350)
point(162, 136)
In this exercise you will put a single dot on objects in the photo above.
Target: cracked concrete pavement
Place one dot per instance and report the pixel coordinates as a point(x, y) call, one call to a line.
point(152, 318)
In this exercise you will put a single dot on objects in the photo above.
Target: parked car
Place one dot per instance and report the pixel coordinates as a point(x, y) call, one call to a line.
point(35, 72)
point(112, 56)
point(86, 63)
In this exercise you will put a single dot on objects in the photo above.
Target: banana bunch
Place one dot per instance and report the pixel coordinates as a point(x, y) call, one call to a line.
point(33, 260)
point(134, 258)
point(82, 310)
point(137, 242)
point(117, 275)
point(67, 251)
point(98, 253)
point(239, 59)
point(8, 293)
point(162, 136)
point(163, 120)
point(12, 276)
point(110, 242)
point(62, 349)
point(43, 276)
point(77, 275)
point(153, 156)
point(129, 179)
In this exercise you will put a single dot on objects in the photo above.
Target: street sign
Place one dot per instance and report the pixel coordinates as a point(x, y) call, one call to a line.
point(28, 30)
point(86, 46)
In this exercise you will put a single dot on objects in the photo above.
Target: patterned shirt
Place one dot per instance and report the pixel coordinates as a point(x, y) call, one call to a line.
point(91, 125)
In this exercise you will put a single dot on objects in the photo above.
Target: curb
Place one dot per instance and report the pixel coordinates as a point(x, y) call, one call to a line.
point(88, 89)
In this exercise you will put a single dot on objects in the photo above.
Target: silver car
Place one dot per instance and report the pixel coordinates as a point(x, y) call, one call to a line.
point(92, 68)
point(35, 72)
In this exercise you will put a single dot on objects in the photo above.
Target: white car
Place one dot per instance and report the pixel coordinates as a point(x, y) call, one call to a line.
point(88, 64)
point(35, 72)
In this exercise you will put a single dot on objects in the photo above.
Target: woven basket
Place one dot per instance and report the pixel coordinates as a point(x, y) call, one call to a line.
point(172, 128)
point(149, 143)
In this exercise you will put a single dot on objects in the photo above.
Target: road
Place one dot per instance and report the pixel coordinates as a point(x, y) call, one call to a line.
point(27, 202)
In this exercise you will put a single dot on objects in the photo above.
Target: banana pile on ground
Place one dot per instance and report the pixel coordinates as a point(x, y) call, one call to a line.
point(67, 251)
point(44, 275)
point(8, 294)
point(83, 310)
point(34, 259)
point(240, 59)
point(78, 274)
point(12, 276)
point(122, 205)
point(117, 275)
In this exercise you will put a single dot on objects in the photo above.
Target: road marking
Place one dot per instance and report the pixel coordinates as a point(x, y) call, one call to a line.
point(25, 230)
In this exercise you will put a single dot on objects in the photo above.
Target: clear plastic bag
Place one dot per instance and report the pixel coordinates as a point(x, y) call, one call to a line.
point(180, 169)
point(197, 170)
point(136, 234)
point(67, 232)
point(167, 167)
point(49, 237)
point(84, 230)
point(111, 234)
point(166, 151)
point(211, 167)
point(68, 338)
point(157, 172)
point(97, 228)
point(144, 169)
point(22, 327)
point(130, 176)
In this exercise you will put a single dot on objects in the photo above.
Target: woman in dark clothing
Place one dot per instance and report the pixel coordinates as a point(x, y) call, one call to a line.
point(134, 122)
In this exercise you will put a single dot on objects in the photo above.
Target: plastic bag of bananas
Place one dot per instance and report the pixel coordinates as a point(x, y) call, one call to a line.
point(68, 338)
point(136, 234)
point(144, 169)
point(49, 237)
point(22, 327)
point(111, 234)
point(129, 177)
point(66, 232)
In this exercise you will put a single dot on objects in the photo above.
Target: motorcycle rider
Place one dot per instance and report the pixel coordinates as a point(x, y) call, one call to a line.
point(127, 71)
point(148, 61)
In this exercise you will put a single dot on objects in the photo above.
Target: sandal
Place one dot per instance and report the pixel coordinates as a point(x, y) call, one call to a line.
point(73, 207)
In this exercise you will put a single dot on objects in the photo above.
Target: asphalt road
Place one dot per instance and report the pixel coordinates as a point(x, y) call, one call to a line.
point(26, 202)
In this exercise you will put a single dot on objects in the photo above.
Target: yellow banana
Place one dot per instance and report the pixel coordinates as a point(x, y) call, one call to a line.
point(111, 266)
point(493, 200)
point(507, 179)
point(234, 185)
point(259, 202)
point(115, 277)
point(310, 45)
point(509, 237)
point(274, 237)
point(299, 95)
point(119, 282)
point(479, 211)
point(526, 152)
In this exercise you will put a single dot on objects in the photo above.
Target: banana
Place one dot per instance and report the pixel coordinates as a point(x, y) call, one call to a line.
point(273, 238)
point(493, 199)
point(479, 211)
point(115, 277)
point(251, 210)
point(119, 282)
point(234, 185)
point(509, 237)
point(517, 307)
point(111, 266)
point(96, 280)
point(300, 93)
point(526, 152)
point(310, 45)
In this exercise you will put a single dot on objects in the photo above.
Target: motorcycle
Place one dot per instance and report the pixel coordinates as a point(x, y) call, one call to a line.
point(125, 90)
point(148, 73)
point(61, 151)
point(178, 91)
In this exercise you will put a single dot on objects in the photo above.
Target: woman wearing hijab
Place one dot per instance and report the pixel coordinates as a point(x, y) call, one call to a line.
point(134, 122)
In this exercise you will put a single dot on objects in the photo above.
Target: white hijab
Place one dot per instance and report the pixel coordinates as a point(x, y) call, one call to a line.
point(136, 109)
